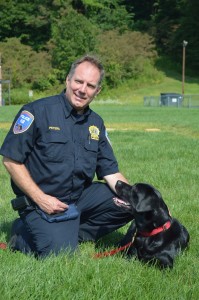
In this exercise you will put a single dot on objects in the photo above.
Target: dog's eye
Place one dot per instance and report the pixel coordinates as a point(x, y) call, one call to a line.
point(149, 215)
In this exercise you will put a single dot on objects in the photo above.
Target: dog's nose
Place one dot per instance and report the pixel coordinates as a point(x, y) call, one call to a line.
point(119, 183)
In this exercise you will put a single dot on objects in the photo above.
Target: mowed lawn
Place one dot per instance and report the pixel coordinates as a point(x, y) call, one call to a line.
point(159, 146)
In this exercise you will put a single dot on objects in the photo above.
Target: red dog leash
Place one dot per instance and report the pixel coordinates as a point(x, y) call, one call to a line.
point(155, 231)
point(3, 246)
point(114, 251)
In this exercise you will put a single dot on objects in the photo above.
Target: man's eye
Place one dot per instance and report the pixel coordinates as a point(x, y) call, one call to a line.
point(78, 81)
point(91, 86)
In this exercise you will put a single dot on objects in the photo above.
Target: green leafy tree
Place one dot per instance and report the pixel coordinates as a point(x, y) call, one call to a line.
point(27, 66)
point(125, 55)
point(30, 21)
point(175, 21)
point(72, 36)
point(106, 14)
point(167, 19)
point(187, 30)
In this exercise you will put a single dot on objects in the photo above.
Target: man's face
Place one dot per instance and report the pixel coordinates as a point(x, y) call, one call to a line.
point(83, 86)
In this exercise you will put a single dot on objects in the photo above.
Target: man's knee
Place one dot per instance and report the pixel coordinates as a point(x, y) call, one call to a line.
point(55, 246)
point(35, 235)
point(44, 246)
point(20, 239)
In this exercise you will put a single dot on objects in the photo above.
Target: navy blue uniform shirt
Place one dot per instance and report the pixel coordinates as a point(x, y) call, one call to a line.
point(61, 150)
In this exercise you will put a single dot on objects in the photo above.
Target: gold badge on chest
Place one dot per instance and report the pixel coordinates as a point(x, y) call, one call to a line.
point(94, 133)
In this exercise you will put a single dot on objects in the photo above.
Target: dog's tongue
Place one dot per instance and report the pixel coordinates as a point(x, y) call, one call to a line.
point(121, 203)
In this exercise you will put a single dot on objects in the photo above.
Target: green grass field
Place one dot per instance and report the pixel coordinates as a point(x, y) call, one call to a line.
point(154, 145)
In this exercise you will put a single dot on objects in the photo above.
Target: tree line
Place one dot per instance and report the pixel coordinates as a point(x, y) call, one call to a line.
point(40, 39)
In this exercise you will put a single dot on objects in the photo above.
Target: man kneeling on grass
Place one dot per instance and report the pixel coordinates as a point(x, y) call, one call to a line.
point(52, 152)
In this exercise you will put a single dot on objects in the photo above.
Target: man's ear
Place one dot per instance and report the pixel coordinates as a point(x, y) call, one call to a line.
point(67, 80)
point(98, 90)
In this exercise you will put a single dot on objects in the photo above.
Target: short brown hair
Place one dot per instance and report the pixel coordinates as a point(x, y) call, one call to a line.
point(91, 59)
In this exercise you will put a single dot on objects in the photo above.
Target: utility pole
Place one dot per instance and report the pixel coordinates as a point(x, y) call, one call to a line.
point(184, 44)
point(1, 99)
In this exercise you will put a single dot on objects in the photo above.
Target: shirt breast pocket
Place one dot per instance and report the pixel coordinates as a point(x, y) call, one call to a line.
point(90, 158)
point(54, 148)
point(91, 147)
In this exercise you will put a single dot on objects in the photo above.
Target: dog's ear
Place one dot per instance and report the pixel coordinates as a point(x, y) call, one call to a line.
point(142, 208)
point(148, 197)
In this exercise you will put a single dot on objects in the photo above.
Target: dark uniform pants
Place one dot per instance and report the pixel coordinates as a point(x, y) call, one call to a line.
point(98, 216)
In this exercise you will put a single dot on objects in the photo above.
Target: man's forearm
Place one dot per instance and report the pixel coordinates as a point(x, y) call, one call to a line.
point(113, 178)
point(22, 179)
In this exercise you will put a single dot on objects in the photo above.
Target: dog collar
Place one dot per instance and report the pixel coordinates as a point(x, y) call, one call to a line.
point(157, 230)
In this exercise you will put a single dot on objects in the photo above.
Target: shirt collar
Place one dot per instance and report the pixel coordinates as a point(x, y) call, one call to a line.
point(68, 109)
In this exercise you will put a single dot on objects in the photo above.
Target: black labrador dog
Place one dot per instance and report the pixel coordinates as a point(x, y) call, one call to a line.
point(157, 237)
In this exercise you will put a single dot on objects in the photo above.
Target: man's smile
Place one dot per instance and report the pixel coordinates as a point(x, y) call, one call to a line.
point(79, 97)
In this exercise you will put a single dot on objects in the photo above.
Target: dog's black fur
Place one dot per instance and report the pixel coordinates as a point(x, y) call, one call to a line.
point(150, 212)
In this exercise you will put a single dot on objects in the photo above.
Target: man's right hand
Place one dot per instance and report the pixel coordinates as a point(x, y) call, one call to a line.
point(51, 205)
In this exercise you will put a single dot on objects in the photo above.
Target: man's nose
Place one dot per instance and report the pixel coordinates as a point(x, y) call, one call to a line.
point(83, 88)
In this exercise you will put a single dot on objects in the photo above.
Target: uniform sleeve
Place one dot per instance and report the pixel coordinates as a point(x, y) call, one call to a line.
point(106, 162)
point(20, 139)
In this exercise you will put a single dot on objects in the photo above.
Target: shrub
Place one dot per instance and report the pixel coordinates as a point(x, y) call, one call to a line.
point(124, 55)
point(72, 36)
point(27, 66)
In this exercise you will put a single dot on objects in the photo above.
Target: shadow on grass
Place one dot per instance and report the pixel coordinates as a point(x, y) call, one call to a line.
point(111, 240)
point(167, 66)
point(5, 228)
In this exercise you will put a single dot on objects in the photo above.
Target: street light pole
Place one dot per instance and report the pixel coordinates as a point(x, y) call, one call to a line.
point(184, 44)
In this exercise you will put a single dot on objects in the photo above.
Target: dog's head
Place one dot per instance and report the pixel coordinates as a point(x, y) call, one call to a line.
point(145, 202)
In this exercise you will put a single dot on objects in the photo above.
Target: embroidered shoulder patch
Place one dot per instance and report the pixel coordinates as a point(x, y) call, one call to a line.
point(23, 122)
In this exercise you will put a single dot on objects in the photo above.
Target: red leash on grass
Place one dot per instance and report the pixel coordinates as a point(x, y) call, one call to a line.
point(114, 251)
point(3, 246)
